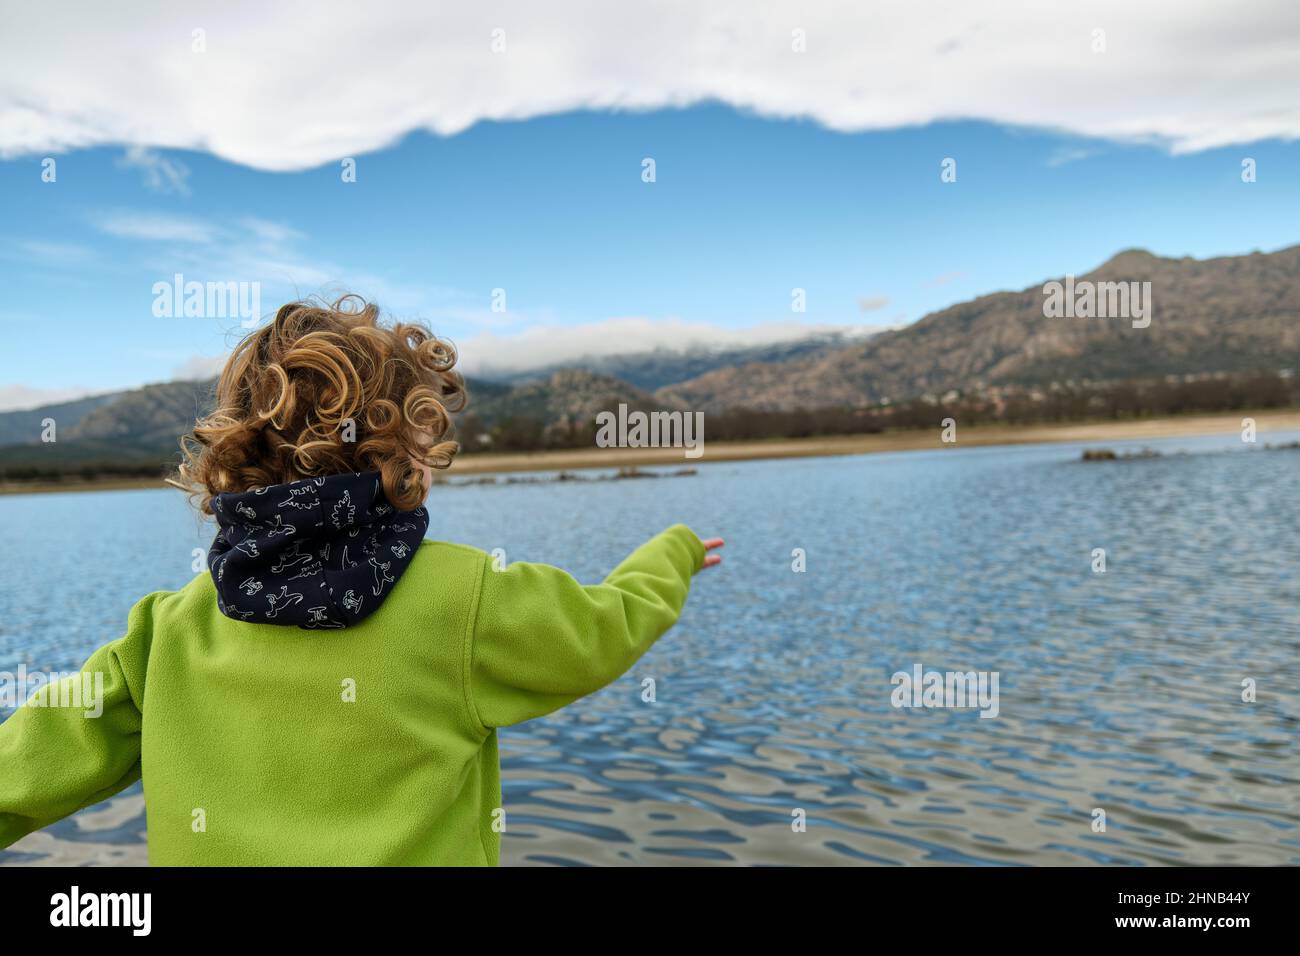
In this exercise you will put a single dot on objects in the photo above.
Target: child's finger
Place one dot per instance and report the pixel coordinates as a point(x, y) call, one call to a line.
point(711, 559)
point(711, 543)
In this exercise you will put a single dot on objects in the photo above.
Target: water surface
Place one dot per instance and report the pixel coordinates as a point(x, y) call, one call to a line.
point(1119, 691)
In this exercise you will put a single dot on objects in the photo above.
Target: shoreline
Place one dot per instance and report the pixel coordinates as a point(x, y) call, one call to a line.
point(584, 459)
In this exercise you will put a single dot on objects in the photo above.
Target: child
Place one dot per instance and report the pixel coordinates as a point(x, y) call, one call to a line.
point(329, 693)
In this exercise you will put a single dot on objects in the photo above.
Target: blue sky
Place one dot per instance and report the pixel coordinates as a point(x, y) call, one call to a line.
point(554, 211)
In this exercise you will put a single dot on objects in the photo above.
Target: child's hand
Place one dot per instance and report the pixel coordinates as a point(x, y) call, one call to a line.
point(711, 559)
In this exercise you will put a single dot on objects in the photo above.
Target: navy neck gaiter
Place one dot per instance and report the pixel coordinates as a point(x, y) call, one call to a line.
point(316, 553)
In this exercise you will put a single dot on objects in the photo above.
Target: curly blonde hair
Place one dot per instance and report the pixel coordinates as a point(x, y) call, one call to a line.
point(295, 391)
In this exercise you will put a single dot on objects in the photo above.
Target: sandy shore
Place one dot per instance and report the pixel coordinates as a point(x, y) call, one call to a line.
point(1152, 428)
point(583, 458)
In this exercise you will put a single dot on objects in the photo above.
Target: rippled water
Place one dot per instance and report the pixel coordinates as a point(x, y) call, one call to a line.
point(1119, 691)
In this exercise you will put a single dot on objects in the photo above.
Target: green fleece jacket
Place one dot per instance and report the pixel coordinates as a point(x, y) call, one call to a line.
point(372, 744)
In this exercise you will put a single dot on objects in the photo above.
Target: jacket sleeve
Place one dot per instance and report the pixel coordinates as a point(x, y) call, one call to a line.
point(542, 640)
point(77, 741)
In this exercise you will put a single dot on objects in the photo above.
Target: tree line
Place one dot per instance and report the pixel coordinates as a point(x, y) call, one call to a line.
point(1007, 405)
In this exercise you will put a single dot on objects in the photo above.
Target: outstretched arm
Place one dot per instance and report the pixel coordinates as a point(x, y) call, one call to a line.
point(77, 741)
point(542, 640)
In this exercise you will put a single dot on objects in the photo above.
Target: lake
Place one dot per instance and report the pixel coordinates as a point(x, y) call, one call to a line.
point(1118, 691)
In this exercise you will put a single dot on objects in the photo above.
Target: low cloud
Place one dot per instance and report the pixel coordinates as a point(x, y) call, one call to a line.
point(16, 397)
point(541, 346)
point(199, 367)
point(488, 353)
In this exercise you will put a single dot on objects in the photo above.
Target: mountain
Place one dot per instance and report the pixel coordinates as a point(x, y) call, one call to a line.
point(568, 395)
point(26, 425)
point(1229, 314)
point(660, 368)
point(149, 416)
point(131, 430)
point(142, 426)
point(557, 411)
point(1214, 315)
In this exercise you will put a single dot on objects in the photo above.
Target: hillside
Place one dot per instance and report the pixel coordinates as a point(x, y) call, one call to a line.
point(572, 394)
point(17, 427)
point(144, 424)
point(1226, 314)
point(148, 416)
point(660, 368)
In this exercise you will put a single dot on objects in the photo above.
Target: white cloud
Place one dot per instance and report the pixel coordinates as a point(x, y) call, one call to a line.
point(489, 353)
point(1069, 154)
point(198, 367)
point(873, 303)
point(946, 277)
point(293, 85)
point(153, 227)
point(46, 252)
point(271, 232)
point(162, 174)
point(540, 346)
point(14, 397)
point(272, 254)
